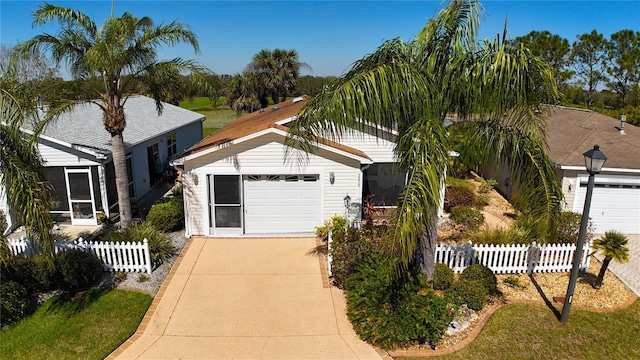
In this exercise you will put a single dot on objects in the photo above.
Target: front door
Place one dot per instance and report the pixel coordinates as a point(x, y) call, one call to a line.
point(81, 198)
point(225, 204)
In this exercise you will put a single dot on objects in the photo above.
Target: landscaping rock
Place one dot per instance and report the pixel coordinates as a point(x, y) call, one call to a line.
point(461, 321)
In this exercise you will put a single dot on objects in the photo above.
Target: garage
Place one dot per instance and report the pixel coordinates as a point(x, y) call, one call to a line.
point(615, 205)
point(279, 204)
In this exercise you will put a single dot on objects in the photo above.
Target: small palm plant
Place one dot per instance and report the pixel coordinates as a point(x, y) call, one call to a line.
point(613, 246)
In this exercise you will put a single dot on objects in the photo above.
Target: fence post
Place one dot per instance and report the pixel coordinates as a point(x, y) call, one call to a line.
point(329, 256)
point(531, 254)
point(147, 255)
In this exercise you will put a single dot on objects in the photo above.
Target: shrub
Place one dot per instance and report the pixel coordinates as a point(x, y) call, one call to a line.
point(568, 229)
point(336, 222)
point(482, 274)
point(470, 218)
point(457, 195)
point(32, 273)
point(469, 292)
point(497, 236)
point(167, 216)
point(391, 313)
point(442, 277)
point(515, 282)
point(487, 185)
point(78, 268)
point(482, 200)
point(160, 246)
point(15, 303)
point(347, 251)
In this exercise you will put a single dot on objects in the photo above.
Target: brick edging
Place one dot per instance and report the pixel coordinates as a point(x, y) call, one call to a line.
point(483, 321)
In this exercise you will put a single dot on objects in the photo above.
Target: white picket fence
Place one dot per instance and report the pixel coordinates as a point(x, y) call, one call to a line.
point(115, 256)
point(510, 259)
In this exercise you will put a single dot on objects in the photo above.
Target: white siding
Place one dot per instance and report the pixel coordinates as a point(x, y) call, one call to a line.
point(377, 149)
point(265, 155)
point(58, 155)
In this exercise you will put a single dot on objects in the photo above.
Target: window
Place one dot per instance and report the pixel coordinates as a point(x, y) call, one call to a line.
point(129, 164)
point(384, 182)
point(172, 146)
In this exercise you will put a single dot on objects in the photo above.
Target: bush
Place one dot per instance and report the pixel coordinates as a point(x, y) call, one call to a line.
point(392, 313)
point(515, 282)
point(482, 274)
point(497, 236)
point(458, 195)
point(32, 273)
point(167, 216)
point(487, 185)
point(78, 268)
point(469, 292)
point(568, 229)
point(442, 277)
point(336, 222)
point(482, 200)
point(470, 218)
point(160, 246)
point(15, 303)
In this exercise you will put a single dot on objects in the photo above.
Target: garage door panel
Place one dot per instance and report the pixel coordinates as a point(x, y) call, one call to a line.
point(613, 207)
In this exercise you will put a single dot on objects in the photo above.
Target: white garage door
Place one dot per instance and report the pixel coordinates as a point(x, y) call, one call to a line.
point(281, 204)
point(613, 207)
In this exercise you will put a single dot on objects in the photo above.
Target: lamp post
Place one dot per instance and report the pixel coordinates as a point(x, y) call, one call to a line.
point(594, 161)
point(347, 205)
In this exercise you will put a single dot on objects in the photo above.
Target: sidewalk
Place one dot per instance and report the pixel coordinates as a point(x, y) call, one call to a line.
point(248, 298)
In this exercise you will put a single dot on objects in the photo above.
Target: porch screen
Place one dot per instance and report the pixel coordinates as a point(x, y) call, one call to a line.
point(227, 201)
point(384, 182)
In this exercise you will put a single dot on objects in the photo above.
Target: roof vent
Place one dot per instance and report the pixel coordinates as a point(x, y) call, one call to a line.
point(298, 99)
point(274, 108)
point(623, 119)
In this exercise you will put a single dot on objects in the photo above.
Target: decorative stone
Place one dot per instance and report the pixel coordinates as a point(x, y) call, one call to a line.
point(461, 321)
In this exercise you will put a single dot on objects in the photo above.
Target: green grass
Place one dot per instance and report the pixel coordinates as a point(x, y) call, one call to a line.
point(86, 327)
point(452, 181)
point(217, 117)
point(533, 332)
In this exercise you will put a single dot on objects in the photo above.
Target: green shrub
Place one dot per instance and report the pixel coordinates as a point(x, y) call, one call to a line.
point(32, 273)
point(568, 229)
point(482, 200)
point(457, 196)
point(487, 185)
point(78, 268)
point(167, 216)
point(469, 292)
point(336, 222)
point(160, 246)
point(464, 215)
point(497, 236)
point(482, 274)
point(514, 281)
point(394, 313)
point(347, 251)
point(15, 303)
point(442, 277)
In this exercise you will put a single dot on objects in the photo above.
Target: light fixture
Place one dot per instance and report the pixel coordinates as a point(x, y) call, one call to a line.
point(594, 161)
point(332, 177)
point(347, 201)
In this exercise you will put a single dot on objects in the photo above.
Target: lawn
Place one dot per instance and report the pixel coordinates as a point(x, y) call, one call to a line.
point(87, 327)
point(533, 332)
point(217, 117)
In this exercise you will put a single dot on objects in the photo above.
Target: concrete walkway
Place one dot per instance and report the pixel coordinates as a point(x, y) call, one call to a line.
point(628, 272)
point(246, 298)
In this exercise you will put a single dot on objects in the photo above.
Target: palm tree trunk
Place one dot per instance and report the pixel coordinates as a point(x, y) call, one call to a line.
point(603, 270)
point(122, 180)
point(426, 252)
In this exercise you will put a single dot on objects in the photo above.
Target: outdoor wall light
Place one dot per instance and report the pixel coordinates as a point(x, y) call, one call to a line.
point(332, 177)
point(347, 201)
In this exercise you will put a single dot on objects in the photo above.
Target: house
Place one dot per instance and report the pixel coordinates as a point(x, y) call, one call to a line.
point(242, 180)
point(615, 203)
point(77, 154)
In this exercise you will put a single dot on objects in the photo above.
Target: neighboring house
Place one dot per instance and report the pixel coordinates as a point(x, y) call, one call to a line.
point(241, 179)
point(76, 149)
point(616, 197)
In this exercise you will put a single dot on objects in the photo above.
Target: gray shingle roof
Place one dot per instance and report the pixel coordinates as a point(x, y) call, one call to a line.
point(83, 126)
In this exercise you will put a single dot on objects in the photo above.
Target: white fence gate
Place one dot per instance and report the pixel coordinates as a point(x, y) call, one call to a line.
point(115, 256)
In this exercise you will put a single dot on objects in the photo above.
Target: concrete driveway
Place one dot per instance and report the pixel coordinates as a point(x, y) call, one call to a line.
point(246, 298)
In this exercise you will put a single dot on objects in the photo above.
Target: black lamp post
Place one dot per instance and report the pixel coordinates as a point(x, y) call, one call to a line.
point(594, 161)
point(347, 205)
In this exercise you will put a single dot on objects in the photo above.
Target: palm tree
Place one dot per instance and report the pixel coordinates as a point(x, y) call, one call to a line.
point(241, 93)
point(613, 246)
point(23, 175)
point(120, 55)
point(493, 88)
point(278, 71)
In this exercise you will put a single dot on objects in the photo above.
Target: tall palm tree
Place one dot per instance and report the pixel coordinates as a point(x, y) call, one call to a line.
point(613, 246)
point(494, 89)
point(242, 93)
point(278, 70)
point(121, 54)
point(23, 175)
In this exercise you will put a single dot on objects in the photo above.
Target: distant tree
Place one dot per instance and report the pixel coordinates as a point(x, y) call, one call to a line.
point(588, 55)
point(613, 245)
point(623, 64)
point(241, 92)
point(313, 85)
point(112, 61)
point(551, 48)
point(277, 70)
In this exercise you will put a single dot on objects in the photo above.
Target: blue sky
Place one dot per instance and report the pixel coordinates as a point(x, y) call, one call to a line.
point(328, 35)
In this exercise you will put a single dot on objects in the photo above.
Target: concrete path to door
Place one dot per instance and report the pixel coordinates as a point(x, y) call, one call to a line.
point(247, 298)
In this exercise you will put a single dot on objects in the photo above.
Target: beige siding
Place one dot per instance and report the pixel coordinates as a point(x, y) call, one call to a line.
point(265, 155)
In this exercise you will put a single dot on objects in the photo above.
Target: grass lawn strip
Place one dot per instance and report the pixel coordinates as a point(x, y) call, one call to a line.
point(88, 326)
